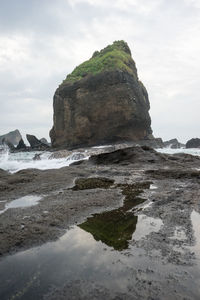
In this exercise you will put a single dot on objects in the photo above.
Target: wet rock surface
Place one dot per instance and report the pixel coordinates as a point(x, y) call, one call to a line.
point(160, 264)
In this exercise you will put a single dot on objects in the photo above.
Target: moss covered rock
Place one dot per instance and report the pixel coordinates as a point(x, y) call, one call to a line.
point(101, 101)
point(115, 56)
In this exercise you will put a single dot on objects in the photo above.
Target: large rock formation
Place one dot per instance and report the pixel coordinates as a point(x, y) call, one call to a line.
point(101, 101)
point(13, 137)
point(193, 143)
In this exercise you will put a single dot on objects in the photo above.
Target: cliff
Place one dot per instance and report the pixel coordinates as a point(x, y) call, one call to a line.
point(101, 101)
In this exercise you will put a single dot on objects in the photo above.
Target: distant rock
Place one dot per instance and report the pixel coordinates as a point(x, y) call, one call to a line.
point(13, 137)
point(9, 144)
point(101, 101)
point(193, 143)
point(35, 143)
point(44, 141)
point(174, 144)
point(21, 145)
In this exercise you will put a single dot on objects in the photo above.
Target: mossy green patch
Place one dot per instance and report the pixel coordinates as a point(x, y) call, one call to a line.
point(92, 183)
point(114, 57)
point(115, 228)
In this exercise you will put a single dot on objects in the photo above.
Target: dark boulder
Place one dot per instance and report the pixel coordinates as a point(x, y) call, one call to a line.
point(37, 157)
point(21, 145)
point(35, 143)
point(142, 154)
point(193, 143)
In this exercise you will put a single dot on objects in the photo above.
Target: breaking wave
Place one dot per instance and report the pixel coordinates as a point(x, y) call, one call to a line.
point(14, 162)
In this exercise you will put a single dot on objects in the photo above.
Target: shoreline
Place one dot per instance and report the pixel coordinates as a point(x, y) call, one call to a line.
point(172, 200)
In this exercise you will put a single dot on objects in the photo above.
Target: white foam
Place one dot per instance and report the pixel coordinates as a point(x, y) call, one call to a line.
point(192, 151)
point(14, 162)
point(102, 146)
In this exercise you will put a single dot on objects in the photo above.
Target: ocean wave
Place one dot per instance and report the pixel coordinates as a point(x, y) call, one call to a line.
point(14, 162)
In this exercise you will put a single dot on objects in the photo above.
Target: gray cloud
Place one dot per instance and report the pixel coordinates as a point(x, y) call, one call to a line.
point(42, 41)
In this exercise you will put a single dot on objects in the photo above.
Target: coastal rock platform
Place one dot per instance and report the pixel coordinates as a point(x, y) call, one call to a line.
point(132, 184)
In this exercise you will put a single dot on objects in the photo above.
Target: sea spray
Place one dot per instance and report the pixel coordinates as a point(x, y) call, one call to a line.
point(14, 162)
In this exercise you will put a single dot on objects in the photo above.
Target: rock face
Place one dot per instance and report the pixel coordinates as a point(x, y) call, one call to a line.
point(101, 101)
point(35, 143)
point(21, 145)
point(193, 143)
point(13, 137)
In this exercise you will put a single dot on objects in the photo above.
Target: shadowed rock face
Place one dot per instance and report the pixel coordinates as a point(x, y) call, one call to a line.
point(35, 143)
point(21, 145)
point(109, 106)
point(193, 143)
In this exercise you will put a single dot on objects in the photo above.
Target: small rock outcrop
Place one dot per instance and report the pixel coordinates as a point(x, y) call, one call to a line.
point(193, 143)
point(35, 143)
point(37, 156)
point(124, 156)
point(21, 145)
point(13, 137)
point(101, 101)
point(173, 143)
point(44, 141)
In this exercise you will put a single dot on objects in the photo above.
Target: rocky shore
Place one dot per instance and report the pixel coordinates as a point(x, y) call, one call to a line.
point(132, 180)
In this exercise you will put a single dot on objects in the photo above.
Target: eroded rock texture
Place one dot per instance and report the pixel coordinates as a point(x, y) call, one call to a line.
point(102, 107)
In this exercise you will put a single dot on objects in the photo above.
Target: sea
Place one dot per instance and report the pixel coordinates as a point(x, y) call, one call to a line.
point(14, 162)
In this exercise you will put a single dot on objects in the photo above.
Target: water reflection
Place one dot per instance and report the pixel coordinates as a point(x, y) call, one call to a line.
point(76, 255)
point(116, 227)
point(26, 201)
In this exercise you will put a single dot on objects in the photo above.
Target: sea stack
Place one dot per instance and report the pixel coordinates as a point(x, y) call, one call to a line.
point(101, 101)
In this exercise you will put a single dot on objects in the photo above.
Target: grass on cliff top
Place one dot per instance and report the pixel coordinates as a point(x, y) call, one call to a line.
point(114, 57)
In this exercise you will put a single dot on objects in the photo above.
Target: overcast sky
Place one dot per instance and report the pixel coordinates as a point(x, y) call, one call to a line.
point(41, 41)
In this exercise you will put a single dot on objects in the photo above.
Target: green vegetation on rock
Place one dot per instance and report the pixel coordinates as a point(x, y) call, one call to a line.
point(92, 183)
point(114, 57)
